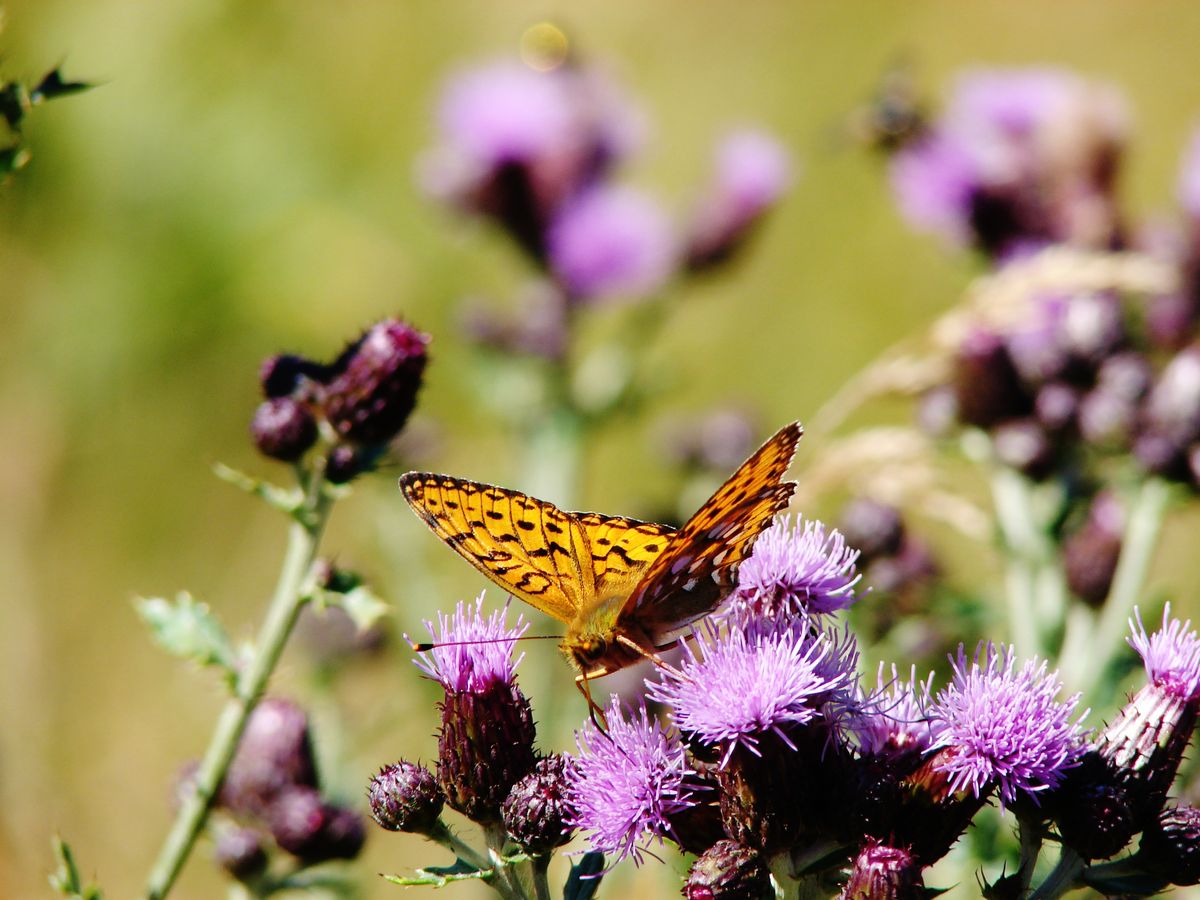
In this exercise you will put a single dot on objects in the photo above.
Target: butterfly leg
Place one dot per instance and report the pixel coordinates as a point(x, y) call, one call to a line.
point(649, 654)
point(594, 711)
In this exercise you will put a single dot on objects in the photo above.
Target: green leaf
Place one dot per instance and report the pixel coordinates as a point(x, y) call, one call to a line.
point(286, 500)
point(1114, 882)
point(65, 878)
point(362, 605)
point(440, 876)
point(584, 880)
point(189, 630)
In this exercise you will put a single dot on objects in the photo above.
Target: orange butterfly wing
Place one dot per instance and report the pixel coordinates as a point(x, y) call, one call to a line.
point(527, 546)
point(622, 550)
point(698, 567)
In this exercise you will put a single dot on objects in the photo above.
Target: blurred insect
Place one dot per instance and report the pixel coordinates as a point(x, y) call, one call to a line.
point(625, 589)
point(895, 114)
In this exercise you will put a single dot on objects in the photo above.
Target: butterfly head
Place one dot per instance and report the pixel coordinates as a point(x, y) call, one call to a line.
point(585, 651)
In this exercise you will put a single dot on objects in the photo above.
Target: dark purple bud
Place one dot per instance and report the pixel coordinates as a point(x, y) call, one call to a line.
point(1092, 326)
point(1055, 406)
point(884, 873)
point(1170, 846)
point(283, 429)
point(875, 529)
point(1107, 417)
point(345, 463)
point(405, 797)
point(1095, 813)
point(370, 398)
point(987, 387)
point(283, 375)
point(275, 753)
point(535, 812)
point(1173, 408)
point(240, 852)
point(1160, 454)
point(1090, 554)
point(1126, 374)
point(312, 830)
point(910, 566)
point(1024, 445)
point(485, 747)
point(1171, 319)
point(727, 871)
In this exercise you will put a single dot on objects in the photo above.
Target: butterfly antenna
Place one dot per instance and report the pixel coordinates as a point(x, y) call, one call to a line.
point(421, 647)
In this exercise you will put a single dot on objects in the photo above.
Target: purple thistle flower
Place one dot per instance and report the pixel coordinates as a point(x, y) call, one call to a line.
point(506, 113)
point(611, 241)
point(934, 180)
point(1171, 655)
point(1002, 727)
point(627, 783)
point(474, 653)
point(752, 171)
point(895, 718)
point(796, 571)
point(747, 683)
point(1189, 177)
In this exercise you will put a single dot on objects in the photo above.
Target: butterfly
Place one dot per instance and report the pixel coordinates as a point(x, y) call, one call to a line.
point(625, 589)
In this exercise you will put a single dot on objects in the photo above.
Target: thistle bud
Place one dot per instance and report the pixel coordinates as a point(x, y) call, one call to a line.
point(987, 387)
point(874, 528)
point(282, 375)
point(1090, 554)
point(1170, 846)
point(375, 382)
point(884, 873)
point(312, 830)
point(405, 797)
point(283, 429)
point(727, 871)
point(535, 811)
point(1024, 445)
point(485, 747)
point(240, 852)
point(345, 463)
point(1095, 813)
point(275, 753)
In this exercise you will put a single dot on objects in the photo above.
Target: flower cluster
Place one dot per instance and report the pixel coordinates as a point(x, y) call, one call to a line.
point(272, 796)
point(360, 401)
point(537, 151)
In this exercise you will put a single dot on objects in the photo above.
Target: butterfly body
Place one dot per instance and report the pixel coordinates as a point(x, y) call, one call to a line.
point(623, 588)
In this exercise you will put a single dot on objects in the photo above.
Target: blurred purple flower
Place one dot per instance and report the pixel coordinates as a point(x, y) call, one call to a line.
point(796, 571)
point(745, 684)
point(1001, 727)
point(474, 653)
point(625, 784)
point(934, 179)
point(1189, 177)
point(1171, 655)
point(611, 241)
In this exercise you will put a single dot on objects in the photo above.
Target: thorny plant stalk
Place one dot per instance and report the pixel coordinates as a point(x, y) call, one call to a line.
point(304, 537)
point(1140, 540)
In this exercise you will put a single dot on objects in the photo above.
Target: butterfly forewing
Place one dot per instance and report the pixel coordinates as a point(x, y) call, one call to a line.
point(697, 568)
point(526, 546)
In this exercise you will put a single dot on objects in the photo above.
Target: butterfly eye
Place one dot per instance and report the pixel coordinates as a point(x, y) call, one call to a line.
point(595, 648)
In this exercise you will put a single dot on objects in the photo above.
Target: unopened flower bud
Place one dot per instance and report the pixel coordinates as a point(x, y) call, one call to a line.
point(986, 383)
point(485, 747)
point(282, 375)
point(875, 529)
point(1173, 408)
point(535, 811)
point(405, 797)
point(240, 852)
point(312, 830)
point(283, 429)
point(345, 463)
point(727, 871)
point(1090, 554)
point(275, 753)
point(1056, 405)
point(376, 380)
point(1170, 846)
point(884, 873)
point(1095, 813)
point(1024, 445)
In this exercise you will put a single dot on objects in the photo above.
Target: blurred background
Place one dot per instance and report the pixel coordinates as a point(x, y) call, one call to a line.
point(242, 182)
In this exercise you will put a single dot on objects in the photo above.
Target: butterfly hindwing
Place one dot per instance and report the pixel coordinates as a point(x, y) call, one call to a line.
point(621, 549)
point(527, 546)
point(698, 567)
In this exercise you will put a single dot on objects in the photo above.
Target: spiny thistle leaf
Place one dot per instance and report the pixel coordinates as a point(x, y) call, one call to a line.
point(65, 878)
point(188, 629)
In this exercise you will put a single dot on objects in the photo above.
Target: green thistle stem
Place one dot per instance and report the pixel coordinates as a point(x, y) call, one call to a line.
point(303, 539)
point(507, 881)
point(441, 834)
point(1137, 549)
point(541, 883)
point(1063, 878)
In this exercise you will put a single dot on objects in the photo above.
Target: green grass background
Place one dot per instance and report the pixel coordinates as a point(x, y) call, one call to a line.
point(241, 181)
